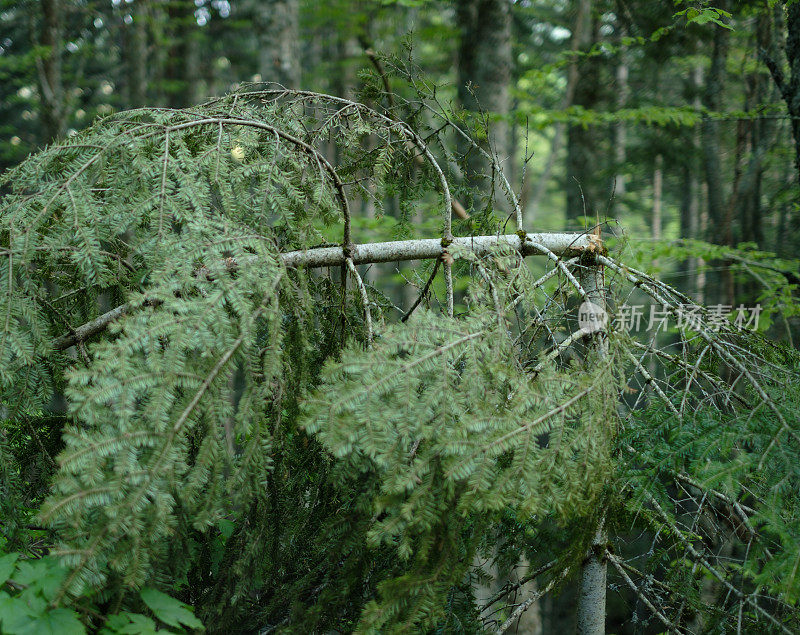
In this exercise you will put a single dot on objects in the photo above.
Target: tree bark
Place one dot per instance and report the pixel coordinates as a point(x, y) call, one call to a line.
point(658, 190)
point(591, 619)
point(484, 69)
point(592, 594)
point(51, 88)
point(579, 38)
point(276, 28)
point(790, 89)
point(584, 183)
point(181, 67)
point(715, 88)
point(565, 245)
point(135, 53)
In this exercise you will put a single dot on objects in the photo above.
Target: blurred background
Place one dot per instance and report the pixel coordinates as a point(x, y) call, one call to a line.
point(662, 116)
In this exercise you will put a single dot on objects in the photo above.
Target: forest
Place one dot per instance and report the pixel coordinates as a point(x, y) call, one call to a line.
point(399, 316)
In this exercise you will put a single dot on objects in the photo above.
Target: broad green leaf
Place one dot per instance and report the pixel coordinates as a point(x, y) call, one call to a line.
point(169, 610)
point(7, 563)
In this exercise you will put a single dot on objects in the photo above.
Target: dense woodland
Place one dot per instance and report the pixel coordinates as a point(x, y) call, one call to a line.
point(218, 411)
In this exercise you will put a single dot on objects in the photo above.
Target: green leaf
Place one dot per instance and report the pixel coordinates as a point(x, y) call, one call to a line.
point(58, 622)
point(44, 575)
point(7, 566)
point(169, 610)
point(130, 624)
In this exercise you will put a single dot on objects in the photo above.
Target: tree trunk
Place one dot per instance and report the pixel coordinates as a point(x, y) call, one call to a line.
point(591, 616)
point(484, 69)
point(592, 593)
point(51, 88)
point(584, 189)
point(715, 87)
point(791, 90)
point(658, 190)
point(135, 53)
point(276, 27)
point(181, 86)
point(580, 34)
point(621, 128)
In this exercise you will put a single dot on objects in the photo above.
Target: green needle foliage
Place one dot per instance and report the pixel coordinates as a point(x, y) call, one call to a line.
point(231, 436)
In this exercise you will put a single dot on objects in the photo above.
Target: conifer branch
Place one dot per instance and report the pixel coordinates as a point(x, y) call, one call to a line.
point(388, 122)
point(423, 292)
point(519, 610)
point(663, 618)
point(455, 204)
point(650, 380)
point(709, 567)
point(403, 250)
point(508, 588)
point(656, 289)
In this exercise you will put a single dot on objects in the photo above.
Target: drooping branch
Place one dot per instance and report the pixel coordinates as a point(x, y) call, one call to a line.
point(702, 561)
point(527, 603)
point(663, 618)
point(563, 245)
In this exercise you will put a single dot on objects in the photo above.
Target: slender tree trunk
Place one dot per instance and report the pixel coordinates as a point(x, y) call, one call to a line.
point(690, 208)
point(790, 88)
point(135, 55)
point(658, 190)
point(484, 69)
point(181, 75)
point(715, 87)
point(591, 615)
point(592, 593)
point(621, 128)
point(195, 90)
point(584, 190)
point(51, 88)
point(276, 27)
point(580, 36)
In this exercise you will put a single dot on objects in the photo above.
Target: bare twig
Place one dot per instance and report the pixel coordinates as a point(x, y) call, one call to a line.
point(364, 299)
point(423, 292)
point(663, 618)
point(527, 603)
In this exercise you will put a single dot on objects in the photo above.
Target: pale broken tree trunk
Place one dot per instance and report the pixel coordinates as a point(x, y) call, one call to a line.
point(591, 618)
point(48, 66)
point(484, 72)
point(276, 26)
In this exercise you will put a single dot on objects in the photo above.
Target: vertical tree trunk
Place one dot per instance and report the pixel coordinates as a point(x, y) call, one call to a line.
point(181, 82)
point(195, 90)
point(135, 53)
point(484, 68)
point(790, 89)
point(584, 189)
point(690, 207)
point(621, 128)
point(715, 87)
point(51, 88)
point(591, 616)
point(276, 28)
point(658, 190)
point(592, 593)
point(580, 31)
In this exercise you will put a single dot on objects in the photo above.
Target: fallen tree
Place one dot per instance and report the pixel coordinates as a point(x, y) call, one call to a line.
point(243, 422)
